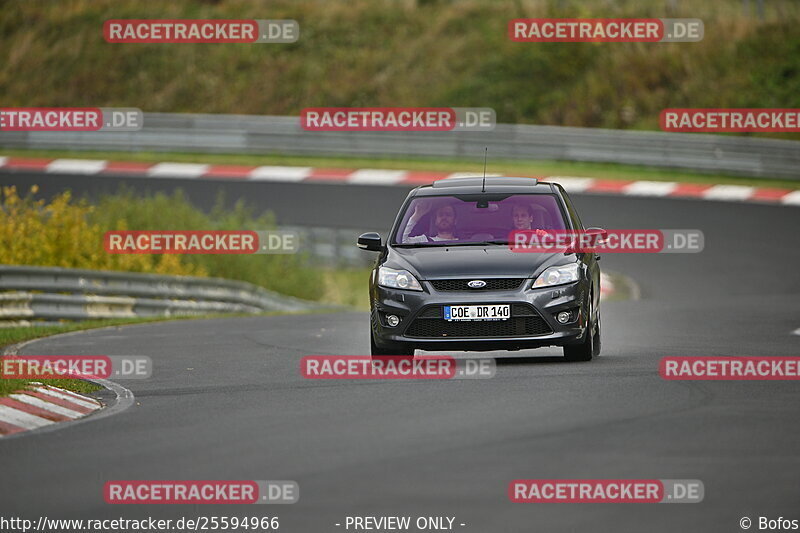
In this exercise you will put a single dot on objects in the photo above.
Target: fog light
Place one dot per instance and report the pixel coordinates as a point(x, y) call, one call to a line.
point(563, 317)
point(392, 320)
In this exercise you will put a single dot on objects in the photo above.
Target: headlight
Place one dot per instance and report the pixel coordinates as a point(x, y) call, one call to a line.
point(557, 275)
point(397, 279)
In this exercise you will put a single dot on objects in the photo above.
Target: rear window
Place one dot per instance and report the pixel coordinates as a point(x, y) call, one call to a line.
point(429, 220)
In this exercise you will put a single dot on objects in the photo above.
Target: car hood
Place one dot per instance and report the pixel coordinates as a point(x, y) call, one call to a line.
point(441, 262)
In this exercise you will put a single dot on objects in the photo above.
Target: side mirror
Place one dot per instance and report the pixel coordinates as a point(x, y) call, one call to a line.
point(370, 241)
point(598, 235)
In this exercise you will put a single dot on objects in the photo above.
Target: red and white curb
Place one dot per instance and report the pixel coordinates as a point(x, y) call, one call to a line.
point(42, 406)
point(366, 176)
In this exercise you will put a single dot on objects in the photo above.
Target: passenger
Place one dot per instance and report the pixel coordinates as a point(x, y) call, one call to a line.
point(522, 217)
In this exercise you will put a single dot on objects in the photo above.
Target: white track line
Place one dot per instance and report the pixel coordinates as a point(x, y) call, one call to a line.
point(71, 399)
point(729, 192)
point(793, 198)
point(177, 170)
point(47, 406)
point(650, 188)
point(571, 184)
point(22, 419)
point(370, 176)
point(272, 173)
point(3, 161)
point(76, 166)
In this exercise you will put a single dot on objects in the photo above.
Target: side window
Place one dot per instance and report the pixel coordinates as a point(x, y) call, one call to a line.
point(573, 214)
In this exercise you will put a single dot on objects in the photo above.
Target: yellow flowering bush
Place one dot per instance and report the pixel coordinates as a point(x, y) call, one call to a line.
point(69, 233)
point(60, 233)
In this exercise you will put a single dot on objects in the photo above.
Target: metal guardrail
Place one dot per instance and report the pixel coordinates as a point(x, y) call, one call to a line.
point(332, 247)
point(52, 293)
point(273, 134)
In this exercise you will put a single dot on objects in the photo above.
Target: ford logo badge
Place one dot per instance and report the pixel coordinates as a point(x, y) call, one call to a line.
point(476, 284)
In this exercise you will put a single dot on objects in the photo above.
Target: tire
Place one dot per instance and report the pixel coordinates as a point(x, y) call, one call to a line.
point(597, 337)
point(586, 349)
point(391, 349)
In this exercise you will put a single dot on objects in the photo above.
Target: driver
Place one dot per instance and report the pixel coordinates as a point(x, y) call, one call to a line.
point(444, 223)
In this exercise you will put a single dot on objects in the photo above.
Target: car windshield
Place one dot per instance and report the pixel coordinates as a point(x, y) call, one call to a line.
point(471, 219)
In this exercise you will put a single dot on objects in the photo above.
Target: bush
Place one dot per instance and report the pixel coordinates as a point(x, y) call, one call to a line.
point(69, 233)
point(62, 233)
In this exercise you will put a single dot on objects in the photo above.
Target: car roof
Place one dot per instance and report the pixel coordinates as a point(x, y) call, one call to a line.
point(475, 184)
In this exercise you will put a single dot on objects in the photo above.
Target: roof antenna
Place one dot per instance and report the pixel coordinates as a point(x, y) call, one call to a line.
point(485, 153)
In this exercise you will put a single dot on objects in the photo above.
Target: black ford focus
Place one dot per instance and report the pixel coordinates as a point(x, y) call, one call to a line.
point(448, 279)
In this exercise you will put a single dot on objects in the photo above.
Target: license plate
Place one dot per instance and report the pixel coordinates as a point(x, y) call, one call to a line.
point(477, 312)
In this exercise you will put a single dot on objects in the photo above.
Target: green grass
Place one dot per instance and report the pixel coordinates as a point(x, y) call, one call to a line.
point(348, 287)
point(10, 386)
point(508, 167)
point(405, 53)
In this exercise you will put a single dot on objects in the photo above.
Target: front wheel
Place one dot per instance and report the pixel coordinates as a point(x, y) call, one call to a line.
point(589, 347)
point(597, 336)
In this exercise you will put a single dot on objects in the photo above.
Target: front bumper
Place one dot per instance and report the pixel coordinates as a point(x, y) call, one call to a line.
point(543, 330)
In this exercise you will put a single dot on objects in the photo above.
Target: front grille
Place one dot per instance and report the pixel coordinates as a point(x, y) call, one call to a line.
point(431, 312)
point(524, 322)
point(492, 284)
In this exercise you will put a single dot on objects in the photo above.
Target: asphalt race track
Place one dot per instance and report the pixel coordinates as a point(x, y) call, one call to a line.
point(227, 401)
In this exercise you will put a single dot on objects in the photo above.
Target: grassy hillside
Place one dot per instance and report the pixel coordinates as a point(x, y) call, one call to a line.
point(392, 53)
